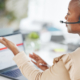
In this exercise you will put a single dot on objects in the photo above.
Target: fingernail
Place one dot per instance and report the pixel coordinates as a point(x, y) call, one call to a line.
point(1, 38)
point(40, 64)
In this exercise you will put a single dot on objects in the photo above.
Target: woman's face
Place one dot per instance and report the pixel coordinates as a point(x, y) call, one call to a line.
point(73, 16)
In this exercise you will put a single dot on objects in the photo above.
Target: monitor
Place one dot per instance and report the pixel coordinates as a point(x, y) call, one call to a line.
point(6, 56)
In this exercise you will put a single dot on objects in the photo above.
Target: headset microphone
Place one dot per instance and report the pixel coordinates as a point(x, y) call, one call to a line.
point(71, 22)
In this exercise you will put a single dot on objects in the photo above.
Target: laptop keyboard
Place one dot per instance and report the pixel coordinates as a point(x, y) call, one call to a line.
point(14, 73)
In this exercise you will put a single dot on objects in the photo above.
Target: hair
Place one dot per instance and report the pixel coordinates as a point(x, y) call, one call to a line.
point(79, 3)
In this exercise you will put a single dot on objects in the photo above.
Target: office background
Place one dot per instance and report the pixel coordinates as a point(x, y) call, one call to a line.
point(39, 23)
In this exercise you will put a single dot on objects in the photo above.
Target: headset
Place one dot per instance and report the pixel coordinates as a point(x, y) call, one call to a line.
point(71, 22)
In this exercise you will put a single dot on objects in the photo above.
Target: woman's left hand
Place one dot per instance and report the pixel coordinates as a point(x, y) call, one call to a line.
point(9, 45)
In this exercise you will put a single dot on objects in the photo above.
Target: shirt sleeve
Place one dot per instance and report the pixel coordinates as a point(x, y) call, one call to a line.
point(58, 71)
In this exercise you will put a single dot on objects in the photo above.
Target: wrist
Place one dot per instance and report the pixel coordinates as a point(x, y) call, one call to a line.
point(15, 51)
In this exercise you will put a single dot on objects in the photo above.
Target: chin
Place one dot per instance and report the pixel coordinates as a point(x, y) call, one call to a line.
point(72, 32)
point(69, 31)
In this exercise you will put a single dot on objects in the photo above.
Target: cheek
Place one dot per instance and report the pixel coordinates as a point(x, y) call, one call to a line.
point(72, 18)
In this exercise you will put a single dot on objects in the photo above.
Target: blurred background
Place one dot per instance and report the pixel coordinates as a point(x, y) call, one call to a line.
point(39, 23)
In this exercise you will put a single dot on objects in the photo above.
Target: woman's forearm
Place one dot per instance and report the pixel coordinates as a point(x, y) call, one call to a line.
point(55, 72)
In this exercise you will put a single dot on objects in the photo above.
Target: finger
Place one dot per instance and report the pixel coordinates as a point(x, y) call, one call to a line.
point(30, 55)
point(42, 62)
point(40, 59)
point(37, 64)
point(40, 66)
point(37, 56)
point(43, 68)
point(33, 57)
point(3, 42)
point(6, 40)
point(34, 62)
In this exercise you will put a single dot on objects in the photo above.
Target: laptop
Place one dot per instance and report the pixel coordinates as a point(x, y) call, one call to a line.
point(8, 67)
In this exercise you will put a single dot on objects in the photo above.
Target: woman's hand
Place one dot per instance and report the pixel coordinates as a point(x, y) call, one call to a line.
point(39, 61)
point(9, 45)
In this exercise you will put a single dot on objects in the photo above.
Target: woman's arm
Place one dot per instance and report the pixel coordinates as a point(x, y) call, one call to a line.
point(9, 45)
point(15, 51)
point(57, 71)
point(39, 62)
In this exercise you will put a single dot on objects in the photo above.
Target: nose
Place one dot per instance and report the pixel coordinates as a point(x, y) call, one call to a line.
point(66, 17)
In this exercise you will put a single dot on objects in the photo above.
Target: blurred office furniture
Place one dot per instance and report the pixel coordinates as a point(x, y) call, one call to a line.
point(56, 34)
point(57, 38)
point(30, 25)
point(73, 46)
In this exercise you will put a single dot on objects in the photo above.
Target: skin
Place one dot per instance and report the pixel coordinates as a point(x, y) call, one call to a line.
point(9, 45)
point(38, 61)
point(72, 16)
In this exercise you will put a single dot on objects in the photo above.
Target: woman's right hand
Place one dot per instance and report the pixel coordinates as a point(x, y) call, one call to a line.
point(9, 45)
point(39, 61)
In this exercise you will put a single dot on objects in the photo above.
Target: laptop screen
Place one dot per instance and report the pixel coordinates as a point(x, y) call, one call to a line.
point(6, 56)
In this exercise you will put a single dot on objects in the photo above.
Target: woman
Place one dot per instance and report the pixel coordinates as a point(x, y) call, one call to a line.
point(65, 67)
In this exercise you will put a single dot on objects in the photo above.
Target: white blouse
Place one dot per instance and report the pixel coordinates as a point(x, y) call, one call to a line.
point(66, 67)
